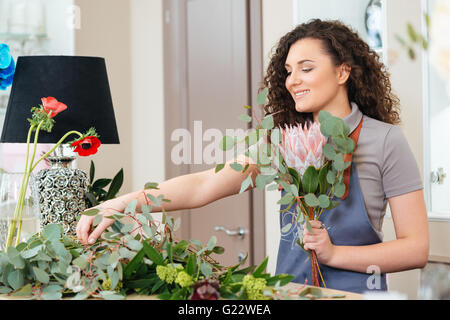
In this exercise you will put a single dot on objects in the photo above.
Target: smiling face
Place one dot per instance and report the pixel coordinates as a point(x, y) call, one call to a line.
point(314, 81)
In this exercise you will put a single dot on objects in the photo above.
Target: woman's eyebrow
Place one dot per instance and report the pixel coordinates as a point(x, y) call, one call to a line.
point(300, 62)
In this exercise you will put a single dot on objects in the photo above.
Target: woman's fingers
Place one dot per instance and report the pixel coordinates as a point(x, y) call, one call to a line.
point(101, 227)
point(83, 228)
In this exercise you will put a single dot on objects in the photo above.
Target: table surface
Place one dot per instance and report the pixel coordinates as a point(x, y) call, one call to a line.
point(293, 289)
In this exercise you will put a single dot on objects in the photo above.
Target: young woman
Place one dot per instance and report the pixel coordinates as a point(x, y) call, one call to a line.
point(324, 65)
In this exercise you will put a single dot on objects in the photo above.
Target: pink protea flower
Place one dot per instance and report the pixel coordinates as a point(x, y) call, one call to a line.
point(302, 147)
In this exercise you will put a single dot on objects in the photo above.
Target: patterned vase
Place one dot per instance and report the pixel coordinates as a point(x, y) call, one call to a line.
point(62, 193)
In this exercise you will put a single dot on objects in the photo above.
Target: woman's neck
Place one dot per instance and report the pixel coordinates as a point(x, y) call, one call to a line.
point(339, 107)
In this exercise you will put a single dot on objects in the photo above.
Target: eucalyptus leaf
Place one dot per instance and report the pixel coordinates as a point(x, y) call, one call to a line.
point(339, 189)
point(41, 275)
point(226, 143)
point(206, 269)
point(311, 200)
point(262, 96)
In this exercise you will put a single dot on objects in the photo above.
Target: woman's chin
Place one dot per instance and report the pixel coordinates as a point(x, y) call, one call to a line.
point(303, 108)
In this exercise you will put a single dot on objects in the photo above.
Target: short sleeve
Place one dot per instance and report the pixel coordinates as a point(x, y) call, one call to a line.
point(400, 172)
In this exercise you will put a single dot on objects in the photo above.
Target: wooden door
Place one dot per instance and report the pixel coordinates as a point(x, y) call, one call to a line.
point(208, 80)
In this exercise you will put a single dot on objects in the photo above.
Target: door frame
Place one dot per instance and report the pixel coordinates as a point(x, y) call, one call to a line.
point(176, 100)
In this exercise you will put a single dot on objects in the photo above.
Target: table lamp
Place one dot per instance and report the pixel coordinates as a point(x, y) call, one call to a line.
point(82, 84)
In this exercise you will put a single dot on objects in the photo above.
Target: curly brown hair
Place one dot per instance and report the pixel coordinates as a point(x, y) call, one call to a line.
point(368, 84)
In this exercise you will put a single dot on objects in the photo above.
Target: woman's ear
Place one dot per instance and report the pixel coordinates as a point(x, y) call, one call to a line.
point(343, 73)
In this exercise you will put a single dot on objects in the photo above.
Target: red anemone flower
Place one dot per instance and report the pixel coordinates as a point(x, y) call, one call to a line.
point(86, 146)
point(53, 105)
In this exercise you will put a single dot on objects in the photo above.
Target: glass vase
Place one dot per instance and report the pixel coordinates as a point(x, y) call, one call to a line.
point(10, 184)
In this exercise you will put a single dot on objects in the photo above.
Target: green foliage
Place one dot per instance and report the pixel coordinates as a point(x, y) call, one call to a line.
point(51, 265)
point(97, 189)
point(414, 39)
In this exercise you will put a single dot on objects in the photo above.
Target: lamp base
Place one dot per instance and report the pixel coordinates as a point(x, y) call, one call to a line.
point(62, 192)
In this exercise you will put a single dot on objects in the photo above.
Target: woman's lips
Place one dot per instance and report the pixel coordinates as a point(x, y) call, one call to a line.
point(300, 94)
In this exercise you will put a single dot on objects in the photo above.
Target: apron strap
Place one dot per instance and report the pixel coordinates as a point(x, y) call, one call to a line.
point(348, 157)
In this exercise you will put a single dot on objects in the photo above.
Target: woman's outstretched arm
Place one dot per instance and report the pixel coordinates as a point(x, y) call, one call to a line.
point(184, 192)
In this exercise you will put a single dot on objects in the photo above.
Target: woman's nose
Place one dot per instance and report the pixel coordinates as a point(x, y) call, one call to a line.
point(295, 78)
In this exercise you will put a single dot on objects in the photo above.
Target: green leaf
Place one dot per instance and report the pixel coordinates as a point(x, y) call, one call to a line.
point(286, 228)
point(26, 290)
point(131, 207)
point(245, 118)
point(329, 151)
point(339, 189)
point(267, 123)
point(52, 232)
point(308, 226)
point(191, 264)
point(134, 263)
point(260, 269)
point(15, 258)
point(91, 212)
point(226, 143)
point(218, 250)
point(101, 183)
point(219, 167)
point(331, 177)
point(323, 183)
point(286, 199)
point(411, 32)
point(134, 245)
point(206, 269)
point(310, 180)
point(91, 172)
point(311, 200)
point(246, 183)
point(211, 243)
point(151, 185)
point(338, 163)
point(262, 96)
point(153, 254)
point(324, 201)
point(30, 253)
point(236, 166)
point(81, 262)
point(115, 186)
point(6, 290)
point(275, 136)
point(16, 279)
point(41, 275)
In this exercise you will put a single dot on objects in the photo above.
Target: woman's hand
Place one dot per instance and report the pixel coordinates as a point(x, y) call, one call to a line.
point(319, 241)
point(84, 227)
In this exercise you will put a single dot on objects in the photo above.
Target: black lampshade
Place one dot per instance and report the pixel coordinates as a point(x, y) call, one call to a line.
point(79, 82)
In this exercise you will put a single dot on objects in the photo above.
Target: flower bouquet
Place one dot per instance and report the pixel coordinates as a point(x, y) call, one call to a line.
point(42, 119)
point(299, 161)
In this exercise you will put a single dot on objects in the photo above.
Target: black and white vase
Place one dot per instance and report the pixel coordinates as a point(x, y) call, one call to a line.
point(62, 193)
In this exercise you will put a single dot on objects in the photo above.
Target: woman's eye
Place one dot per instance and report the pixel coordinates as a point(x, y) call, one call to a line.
point(307, 69)
point(288, 73)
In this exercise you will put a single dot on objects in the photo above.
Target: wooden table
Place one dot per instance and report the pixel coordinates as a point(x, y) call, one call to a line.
point(291, 287)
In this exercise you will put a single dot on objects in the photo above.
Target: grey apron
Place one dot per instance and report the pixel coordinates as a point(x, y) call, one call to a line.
point(347, 225)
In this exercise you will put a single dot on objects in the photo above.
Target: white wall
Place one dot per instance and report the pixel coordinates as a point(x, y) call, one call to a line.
point(277, 21)
point(128, 33)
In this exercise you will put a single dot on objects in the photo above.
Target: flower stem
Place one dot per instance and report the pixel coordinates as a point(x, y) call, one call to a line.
point(13, 223)
point(56, 145)
point(24, 185)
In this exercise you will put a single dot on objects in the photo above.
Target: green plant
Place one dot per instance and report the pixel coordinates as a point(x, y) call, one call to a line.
point(140, 257)
point(97, 192)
